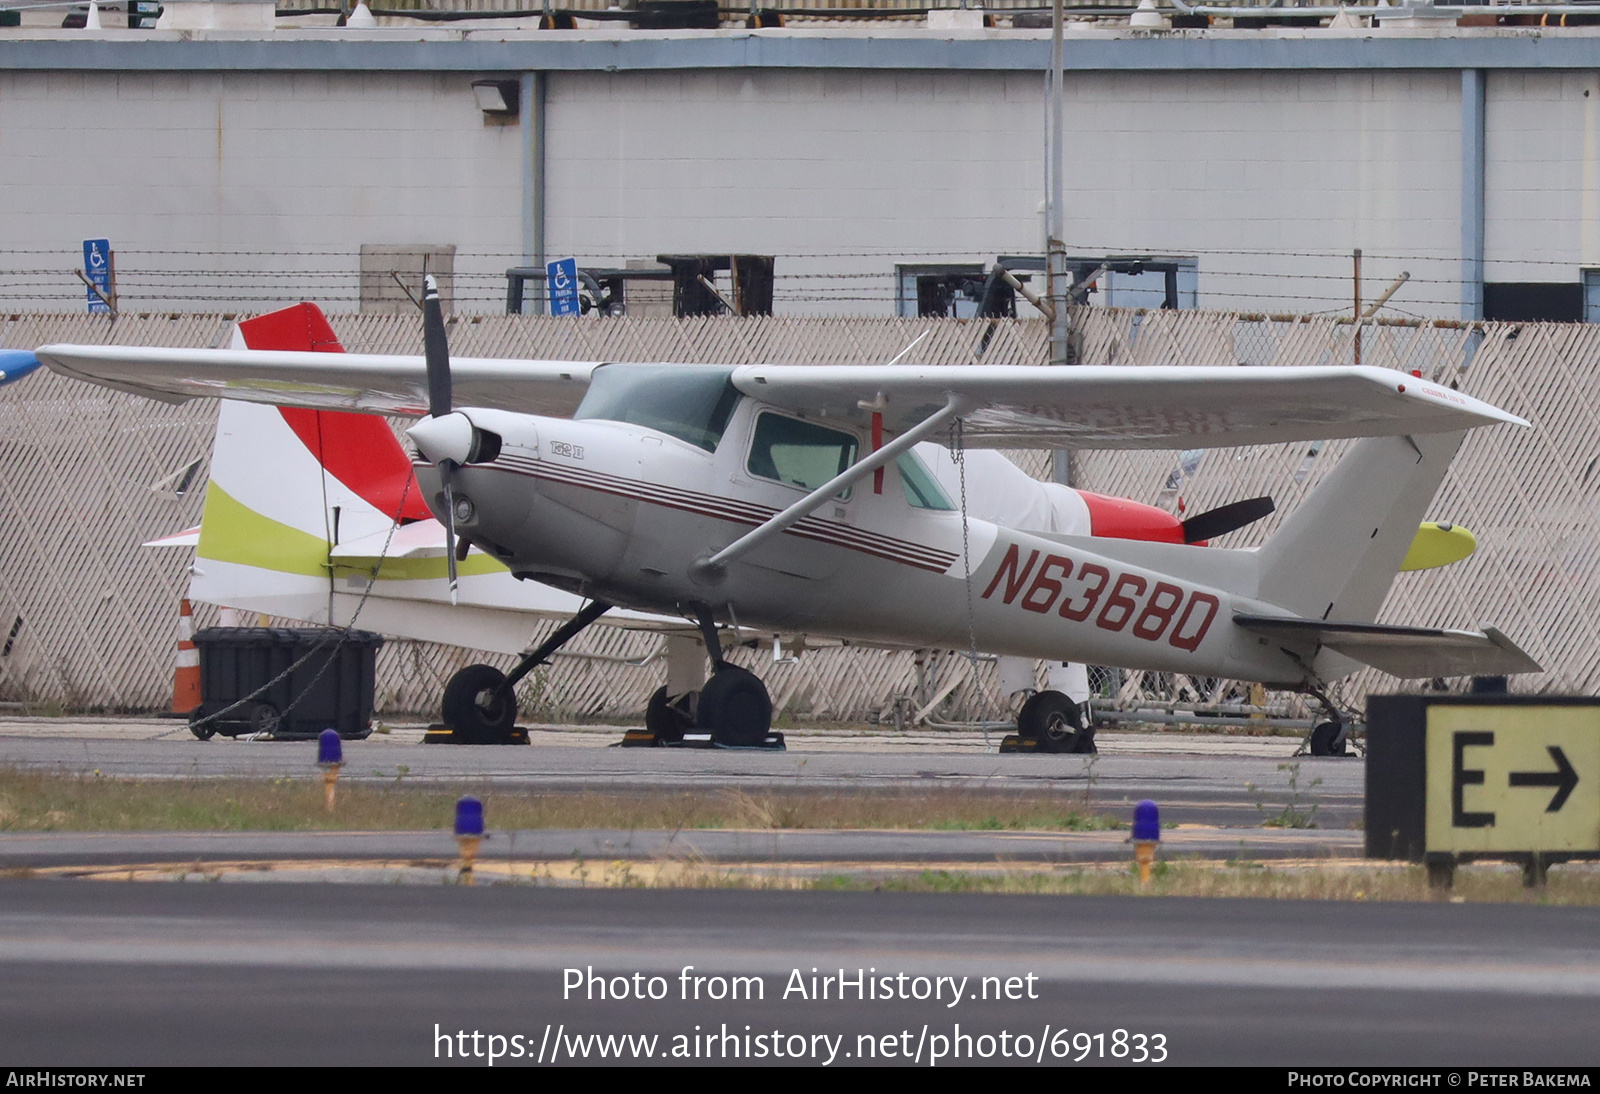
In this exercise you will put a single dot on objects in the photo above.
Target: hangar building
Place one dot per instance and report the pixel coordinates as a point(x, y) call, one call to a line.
point(241, 168)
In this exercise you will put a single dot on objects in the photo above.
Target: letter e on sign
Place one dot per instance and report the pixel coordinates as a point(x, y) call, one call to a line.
point(1512, 778)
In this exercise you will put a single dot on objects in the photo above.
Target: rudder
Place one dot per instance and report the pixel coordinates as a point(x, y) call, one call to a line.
point(1337, 555)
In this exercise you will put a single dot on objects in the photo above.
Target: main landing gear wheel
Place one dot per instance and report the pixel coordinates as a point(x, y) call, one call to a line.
point(735, 707)
point(1329, 739)
point(1056, 722)
point(479, 706)
point(668, 720)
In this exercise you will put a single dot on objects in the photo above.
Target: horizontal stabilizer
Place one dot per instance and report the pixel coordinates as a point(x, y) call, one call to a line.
point(189, 538)
point(1407, 652)
point(421, 539)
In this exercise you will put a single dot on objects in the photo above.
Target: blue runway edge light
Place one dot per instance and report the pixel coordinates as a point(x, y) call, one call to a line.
point(15, 364)
point(1146, 822)
point(330, 750)
point(469, 817)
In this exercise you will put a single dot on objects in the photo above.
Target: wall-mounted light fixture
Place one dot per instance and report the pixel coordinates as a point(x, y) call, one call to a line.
point(499, 98)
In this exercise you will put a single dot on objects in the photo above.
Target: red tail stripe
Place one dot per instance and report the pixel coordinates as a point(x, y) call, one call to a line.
point(357, 449)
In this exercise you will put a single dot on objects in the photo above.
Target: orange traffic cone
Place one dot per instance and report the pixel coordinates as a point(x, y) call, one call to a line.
point(186, 676)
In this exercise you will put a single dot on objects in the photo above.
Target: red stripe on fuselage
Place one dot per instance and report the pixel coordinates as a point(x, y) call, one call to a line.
point(357, 449)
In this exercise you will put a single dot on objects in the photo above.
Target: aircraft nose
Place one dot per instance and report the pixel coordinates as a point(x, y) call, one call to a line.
point(447, 437)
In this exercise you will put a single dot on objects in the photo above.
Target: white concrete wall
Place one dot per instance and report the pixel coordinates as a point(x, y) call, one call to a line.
point(284, 173)
point(838, 172)
point(1261, 175)
point(1270, 178)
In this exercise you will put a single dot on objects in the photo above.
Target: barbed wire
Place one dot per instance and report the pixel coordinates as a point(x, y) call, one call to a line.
point(245, 279)
point(1076, 249)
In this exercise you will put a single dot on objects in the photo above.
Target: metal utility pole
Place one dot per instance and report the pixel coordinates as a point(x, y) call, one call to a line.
point(1357, 311)
point(1055, 221)
point(1055, 218)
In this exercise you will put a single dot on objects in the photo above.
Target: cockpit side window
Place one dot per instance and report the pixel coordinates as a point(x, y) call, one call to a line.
point(922, 489)
point(799, 453)
point(690, 402)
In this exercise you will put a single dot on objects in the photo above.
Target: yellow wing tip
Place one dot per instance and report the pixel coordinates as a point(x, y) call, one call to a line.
point(1438, 543)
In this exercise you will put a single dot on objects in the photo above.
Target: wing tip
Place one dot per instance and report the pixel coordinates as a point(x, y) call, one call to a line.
point(17, 363)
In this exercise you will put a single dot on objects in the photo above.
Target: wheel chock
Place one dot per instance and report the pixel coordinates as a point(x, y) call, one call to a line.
point(1014, 743)
point(441, 734)
point(773, 743)
point(638, 738)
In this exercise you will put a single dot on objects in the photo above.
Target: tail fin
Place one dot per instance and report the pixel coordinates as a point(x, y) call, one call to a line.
point(288, 483)
point(1338, 553)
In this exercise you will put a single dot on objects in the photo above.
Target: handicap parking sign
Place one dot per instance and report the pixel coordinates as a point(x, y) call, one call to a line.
point(562, 277)
point(97, 268)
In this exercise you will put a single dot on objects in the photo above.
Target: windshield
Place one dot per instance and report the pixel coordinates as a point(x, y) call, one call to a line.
point(689, 402)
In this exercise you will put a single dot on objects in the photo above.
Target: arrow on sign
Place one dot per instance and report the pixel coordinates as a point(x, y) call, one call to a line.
point(1564, 778)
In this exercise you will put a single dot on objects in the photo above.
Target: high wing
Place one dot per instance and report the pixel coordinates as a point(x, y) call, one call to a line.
point(367, 382)
point(1122, 406)
point(1012, 406)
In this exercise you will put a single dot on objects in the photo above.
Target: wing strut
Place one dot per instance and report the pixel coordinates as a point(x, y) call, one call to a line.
point(711, 570)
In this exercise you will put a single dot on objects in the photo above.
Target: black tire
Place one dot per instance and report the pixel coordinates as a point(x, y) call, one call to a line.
point(1328, 739)
point(264, 719)
point(735, 707)
point(203, 730)
point(1054, 721)
point(667, 720)
point(478, 706)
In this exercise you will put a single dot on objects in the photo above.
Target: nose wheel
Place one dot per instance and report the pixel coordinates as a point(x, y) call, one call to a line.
point(480, 702)
point(479, 706)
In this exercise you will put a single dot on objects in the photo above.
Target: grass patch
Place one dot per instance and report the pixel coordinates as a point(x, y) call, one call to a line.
point(32, 801)
point(1295, 813)
point(1354, 882)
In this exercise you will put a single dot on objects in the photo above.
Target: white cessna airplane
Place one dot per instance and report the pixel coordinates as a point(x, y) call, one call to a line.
point(795, 500)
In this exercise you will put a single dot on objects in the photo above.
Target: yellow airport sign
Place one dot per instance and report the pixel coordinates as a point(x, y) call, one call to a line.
point(1512, 778)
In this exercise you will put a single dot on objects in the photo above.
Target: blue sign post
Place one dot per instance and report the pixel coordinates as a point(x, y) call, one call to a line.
point(562, 278)
point(97, 268)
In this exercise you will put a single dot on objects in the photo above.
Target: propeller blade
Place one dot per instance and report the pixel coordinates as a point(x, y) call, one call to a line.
point(1225, 518)
point(435, 350)
point(436, 355)
point(446, 469)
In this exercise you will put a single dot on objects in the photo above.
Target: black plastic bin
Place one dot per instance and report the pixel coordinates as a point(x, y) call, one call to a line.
point(236, 661)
